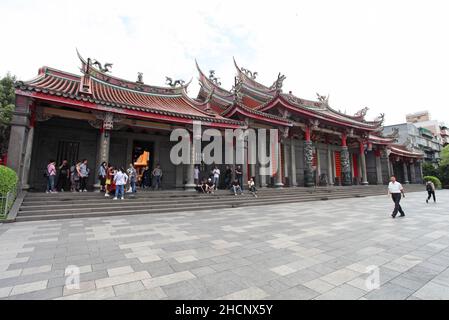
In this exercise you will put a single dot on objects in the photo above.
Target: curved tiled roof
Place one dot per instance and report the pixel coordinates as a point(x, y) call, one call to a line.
point(402, 150)
point(105, 91)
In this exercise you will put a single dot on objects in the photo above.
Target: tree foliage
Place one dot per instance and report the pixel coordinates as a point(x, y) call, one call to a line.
point(444, 156)
point(428, 169)
point(7, 99)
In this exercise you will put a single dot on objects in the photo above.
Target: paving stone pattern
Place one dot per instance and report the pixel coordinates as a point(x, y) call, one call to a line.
point(315, 250)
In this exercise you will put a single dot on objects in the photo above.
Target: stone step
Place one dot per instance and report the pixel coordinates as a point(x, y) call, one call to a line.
point(168, 210)
point(101, 200)
point(135, 205)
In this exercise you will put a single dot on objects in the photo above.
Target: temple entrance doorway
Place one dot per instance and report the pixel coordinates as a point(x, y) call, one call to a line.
point(142, 157)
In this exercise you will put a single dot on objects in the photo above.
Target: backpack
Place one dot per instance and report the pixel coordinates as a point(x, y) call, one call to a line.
point(45, 172)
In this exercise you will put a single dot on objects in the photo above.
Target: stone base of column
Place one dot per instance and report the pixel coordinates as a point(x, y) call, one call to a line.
point(365, 183)
point(189, 187)
point(278, 185)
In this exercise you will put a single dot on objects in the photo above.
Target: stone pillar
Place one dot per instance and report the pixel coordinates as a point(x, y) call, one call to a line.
point(363, 164)
point(18, 142)
point(293, 182)
point(330, 167)
point(263, 178)
point(179, 177)
point(378, 168)
point(345, 162)
point(278, 179)
point(245, 170)
point(404, 163)
point(286, 159)
point(308, 159)
point(27, 159)
point(190, 182)
point(318, 166)
point(105, 143)
point(157, 150)
point(412, 172)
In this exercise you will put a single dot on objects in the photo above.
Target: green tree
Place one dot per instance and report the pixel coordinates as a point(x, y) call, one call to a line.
point(444, 156)
point(7, 99)
point(429, 170)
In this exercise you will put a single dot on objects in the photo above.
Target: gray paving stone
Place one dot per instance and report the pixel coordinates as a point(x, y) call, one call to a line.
point(321, 251)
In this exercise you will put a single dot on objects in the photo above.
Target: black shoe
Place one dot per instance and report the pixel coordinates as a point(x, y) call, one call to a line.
point(393, 216)
point(402, 215)
point(427, 201)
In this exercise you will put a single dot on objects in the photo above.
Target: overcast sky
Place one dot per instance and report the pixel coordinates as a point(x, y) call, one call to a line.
point(391, 56)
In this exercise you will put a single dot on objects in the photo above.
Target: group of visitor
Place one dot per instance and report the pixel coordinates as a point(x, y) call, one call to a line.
point(113, 180)
point(66, 177)
point(211, 183)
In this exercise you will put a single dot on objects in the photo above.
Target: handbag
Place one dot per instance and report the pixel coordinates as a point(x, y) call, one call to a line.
point(108, 181)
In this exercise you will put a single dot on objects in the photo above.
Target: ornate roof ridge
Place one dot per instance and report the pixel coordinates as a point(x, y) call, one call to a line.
point(137, 86)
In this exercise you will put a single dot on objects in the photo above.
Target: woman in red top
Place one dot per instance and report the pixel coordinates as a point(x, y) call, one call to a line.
point(110, 184)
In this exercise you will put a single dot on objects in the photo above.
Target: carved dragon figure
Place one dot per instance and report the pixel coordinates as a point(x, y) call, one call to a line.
point(237, 88)
point(323, 99)
point(213, 78)
point(380, 118)
point(173, 84)
point(107, 67)
point(250, 74)
point(362, 113)
point(277, 85)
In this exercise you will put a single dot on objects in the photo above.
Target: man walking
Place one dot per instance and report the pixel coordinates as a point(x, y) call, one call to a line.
point(397, 191)
point(430, 187)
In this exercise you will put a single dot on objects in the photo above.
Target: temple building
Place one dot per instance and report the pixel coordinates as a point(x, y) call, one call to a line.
point(99, 117)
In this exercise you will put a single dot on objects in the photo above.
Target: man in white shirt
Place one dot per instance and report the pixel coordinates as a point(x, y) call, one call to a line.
point(397, 191)
point(216, 173)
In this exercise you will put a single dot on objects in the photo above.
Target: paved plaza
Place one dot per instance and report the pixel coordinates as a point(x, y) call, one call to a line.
point(314, 250)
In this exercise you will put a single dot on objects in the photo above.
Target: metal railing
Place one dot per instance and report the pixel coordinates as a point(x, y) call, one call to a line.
point(6, 202)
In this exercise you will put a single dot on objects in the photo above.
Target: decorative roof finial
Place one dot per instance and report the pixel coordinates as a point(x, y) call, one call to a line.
point(362, 113)
point(277, 85)
point(323, 99)
point(174, 84)
point(140, 77)
point(237, 88)
point(250, 74)
point(107, 66)
point(213, 78)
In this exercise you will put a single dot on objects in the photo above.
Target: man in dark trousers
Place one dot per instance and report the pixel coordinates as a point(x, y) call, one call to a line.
point(430, 187)
point(397, 191)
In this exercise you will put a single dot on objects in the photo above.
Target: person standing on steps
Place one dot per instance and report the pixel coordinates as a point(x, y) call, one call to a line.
point(132, 174)
point(430, 187)
point(51, 176)
point(396, 191)
point(239, 176)
point(102, 172)
point(84, 175)
point(64, 176)
point(196, 175)
point(120, 179)
point(216, 180)
point(157, 174)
